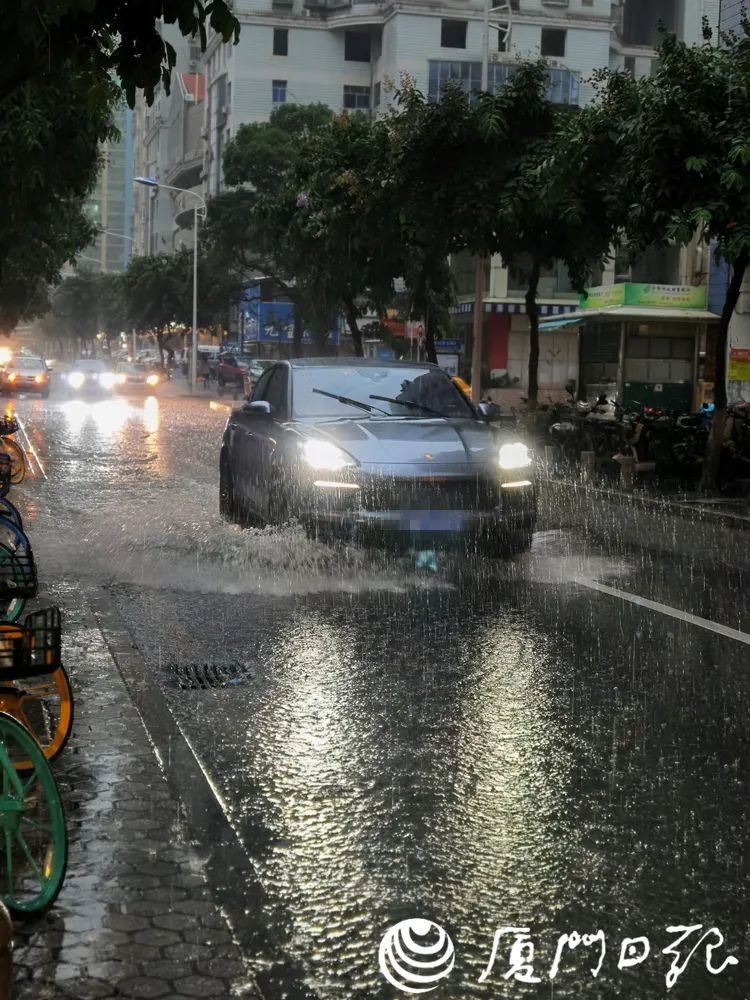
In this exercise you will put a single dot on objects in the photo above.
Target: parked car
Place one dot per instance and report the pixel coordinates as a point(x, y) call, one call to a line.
point(25, 373)
point(231, 370)
point(137, 376)
point(90, 376)
point(388, 452)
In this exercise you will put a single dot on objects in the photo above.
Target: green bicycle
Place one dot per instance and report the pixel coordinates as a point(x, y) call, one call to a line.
point(33, 834)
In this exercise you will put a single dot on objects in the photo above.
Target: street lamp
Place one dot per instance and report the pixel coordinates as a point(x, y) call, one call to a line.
point(198, 211)
point(500, 17)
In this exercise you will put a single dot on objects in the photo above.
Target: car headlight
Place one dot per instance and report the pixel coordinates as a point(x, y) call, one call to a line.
point(514, 456)
point(324, 455)
point(121, 379)
point(76, 379)
point(107, 379)
point(152, 380)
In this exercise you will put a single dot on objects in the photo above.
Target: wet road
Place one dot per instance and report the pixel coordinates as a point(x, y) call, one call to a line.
point(487, 747)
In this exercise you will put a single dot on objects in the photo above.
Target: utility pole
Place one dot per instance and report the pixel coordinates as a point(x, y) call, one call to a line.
point(476, 355)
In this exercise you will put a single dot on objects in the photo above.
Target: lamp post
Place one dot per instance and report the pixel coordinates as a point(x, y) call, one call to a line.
point(503, 22)
point(198, 211)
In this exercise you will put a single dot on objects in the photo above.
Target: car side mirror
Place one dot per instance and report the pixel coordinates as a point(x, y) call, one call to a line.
point(259, 408)
point(490, 412)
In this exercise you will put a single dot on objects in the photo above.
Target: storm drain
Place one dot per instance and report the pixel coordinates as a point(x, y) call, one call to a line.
point(207, 676)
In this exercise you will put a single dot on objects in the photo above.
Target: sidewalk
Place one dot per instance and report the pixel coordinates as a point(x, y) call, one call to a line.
point(135, 918)
point(178, 387)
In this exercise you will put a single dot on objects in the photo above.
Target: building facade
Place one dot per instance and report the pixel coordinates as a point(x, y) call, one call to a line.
point(110, 206)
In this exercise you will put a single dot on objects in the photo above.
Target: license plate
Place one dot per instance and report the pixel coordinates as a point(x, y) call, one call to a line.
point(432, 520)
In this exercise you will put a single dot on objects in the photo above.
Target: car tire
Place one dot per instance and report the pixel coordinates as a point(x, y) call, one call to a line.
point(228, 505)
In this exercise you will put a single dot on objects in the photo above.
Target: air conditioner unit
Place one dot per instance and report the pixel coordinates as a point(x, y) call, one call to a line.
point(555, 63)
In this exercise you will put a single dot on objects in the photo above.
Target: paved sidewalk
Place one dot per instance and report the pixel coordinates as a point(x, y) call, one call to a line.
point(135, 918)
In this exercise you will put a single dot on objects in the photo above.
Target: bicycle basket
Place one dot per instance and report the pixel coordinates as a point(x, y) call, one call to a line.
point(17, 574)
point(8, 425)
point(32, 650)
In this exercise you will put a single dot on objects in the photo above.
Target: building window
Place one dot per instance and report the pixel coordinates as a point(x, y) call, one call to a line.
point(502, 41)
point(376, 95)
point(630, 65)
point(281, 41)
point(553, 42)
point(563, 87)
point(356, 98)
point(453, 34)
point(357, 46)
point(278, 91)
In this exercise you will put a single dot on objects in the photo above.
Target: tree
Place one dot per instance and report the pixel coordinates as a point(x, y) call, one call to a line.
point(155, 291)
point(42, 192)
point(684, 145)
point(76, 306)
point(102, 37)
point(261, 153)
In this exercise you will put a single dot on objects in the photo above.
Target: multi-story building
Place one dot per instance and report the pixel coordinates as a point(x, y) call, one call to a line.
point(110, 206)
point(169, 147)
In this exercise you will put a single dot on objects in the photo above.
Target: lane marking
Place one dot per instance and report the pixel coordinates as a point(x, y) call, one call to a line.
point(30, 447)
point(665, 609)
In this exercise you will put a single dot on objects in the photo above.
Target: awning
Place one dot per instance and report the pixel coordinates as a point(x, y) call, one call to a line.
point(641, 313)
point(557, 324)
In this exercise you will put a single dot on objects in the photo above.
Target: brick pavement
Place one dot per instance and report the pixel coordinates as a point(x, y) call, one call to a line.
point(135, 917)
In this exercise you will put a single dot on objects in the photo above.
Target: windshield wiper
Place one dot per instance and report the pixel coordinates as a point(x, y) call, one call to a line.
point(410, 403)
point(351, 402)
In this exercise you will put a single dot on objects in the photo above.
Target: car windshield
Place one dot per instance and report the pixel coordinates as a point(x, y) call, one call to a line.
point(420, 386)
point(90, 366)
point(27, 365)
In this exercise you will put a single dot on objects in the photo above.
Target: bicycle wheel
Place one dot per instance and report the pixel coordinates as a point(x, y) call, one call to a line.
point(45, 706)
point(11, 513)
point(17, 460)
point(15, 573)
point(33, 835)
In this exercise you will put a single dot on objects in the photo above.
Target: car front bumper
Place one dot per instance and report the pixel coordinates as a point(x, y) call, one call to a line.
point(406, 528)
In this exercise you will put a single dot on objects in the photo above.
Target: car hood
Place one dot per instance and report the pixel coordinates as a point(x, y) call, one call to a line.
point(435, 444)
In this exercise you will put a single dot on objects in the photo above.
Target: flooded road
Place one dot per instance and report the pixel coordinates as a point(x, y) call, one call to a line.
point(523, 746)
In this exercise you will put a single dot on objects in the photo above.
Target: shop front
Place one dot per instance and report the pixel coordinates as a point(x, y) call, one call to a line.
point(643, 344)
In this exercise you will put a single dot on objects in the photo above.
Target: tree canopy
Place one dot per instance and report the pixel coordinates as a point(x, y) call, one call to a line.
point(102, 37)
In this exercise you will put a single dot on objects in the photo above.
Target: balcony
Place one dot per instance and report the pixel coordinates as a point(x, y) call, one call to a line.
point(185, 171)
point(184, 205)
point(348, 13)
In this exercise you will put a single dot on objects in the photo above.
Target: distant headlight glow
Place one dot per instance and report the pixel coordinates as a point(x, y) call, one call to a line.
point(324, 455)
point(107, 379)
point(514, 456)
point(152, 380)
point(76, 379)
point(121, 379)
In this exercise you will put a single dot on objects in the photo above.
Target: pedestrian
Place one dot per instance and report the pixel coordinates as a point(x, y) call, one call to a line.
point(203, 370)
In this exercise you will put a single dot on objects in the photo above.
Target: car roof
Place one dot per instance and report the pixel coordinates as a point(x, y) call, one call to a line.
point(357, 363)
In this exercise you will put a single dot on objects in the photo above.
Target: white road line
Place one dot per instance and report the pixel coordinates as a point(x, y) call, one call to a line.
point(665, 609)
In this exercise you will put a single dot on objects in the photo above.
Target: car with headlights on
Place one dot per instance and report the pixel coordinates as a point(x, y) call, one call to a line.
point(389, 453)
point(90, 377)
point(137, 376)
point(25, 374)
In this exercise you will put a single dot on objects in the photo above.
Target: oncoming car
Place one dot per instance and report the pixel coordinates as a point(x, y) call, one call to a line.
point(25, 374)
point(89, 376)
point(366, 451)
point(136, 376)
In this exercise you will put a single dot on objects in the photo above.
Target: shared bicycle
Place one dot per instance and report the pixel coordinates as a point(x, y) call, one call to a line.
point(36, 718)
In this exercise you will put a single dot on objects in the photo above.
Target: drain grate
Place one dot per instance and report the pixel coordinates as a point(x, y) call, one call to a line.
point(207, 676)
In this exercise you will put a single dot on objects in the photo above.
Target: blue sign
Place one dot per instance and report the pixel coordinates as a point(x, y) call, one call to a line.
point(385, 355)
point(273, 322)
point(449, 346)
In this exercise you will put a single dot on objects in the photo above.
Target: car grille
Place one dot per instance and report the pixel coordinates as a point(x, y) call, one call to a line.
point(430, 494)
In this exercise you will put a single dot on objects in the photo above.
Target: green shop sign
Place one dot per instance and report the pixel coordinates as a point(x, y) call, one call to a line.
point(645, 297)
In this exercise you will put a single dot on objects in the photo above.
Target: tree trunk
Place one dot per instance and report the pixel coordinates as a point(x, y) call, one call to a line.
point(532, 311)
point(429, 337)
point(352, 320)
point(710, 477)
point(298, 332)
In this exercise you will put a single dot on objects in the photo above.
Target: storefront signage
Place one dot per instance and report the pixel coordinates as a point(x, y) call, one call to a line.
point(739, 364)
point(645, 297)
point(448, 346)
